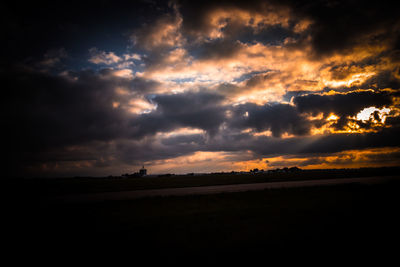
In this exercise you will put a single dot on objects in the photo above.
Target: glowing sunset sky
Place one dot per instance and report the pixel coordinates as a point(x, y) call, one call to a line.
point(179, 86)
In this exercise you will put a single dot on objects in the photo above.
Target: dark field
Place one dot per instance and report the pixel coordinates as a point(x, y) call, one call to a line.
point(333, 223)
point(38, 187)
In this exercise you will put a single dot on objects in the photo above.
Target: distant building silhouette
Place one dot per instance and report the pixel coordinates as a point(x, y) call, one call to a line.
point(142, 171)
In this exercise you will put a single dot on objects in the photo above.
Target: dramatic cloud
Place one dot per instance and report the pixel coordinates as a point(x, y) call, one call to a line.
point(278, 118)
point(101, 57)
point(160, 34)
point(185, 86)
point(196, 110)
point(342, 25)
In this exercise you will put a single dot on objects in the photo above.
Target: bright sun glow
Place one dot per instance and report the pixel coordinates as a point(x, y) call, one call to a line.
point(353, 80)
point(365, 114)
point(181, 131)
point(332, 117)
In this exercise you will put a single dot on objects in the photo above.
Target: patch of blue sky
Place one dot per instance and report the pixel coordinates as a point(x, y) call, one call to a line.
point(248, 75)
point(184, 80)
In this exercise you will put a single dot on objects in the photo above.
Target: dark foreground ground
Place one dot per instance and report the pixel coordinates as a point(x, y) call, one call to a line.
point(34, 187)
point(342, 223)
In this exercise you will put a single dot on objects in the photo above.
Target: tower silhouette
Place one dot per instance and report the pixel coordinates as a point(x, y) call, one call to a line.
point(142, 171)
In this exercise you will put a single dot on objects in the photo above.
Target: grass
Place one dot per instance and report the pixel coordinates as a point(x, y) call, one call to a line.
point(334, 221)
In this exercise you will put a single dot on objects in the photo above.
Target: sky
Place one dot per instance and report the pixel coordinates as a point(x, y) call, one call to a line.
point(101, 88)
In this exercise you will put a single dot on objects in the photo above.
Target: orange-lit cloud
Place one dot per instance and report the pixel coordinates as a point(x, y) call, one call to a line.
point(280, 69)
point(163, 33)
point(140, 106)
point(201, 161)
point(222, 18)
point(347, 159)
point(102, 57)
point(228, 161)
point(180, 132)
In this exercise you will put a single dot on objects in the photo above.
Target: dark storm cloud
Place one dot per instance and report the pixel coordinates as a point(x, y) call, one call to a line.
point(339, 25)
point(313, 147)
point(300, 146)
point(47, 110)
point(44, 113)
point(160, 34)
point(195, 14)
point(384, 79)
point(348, 104)
point(259, 79)
point(198, 110)
point(336, 25)
point(197, 139)
point(169, 147)
point(181, 103)
point(136, 86)
point(341, 142)
point(218, 49)
point(323, 145)
point(272, 35)
point(143, 85)
point(278, 118)
point(343, 105)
